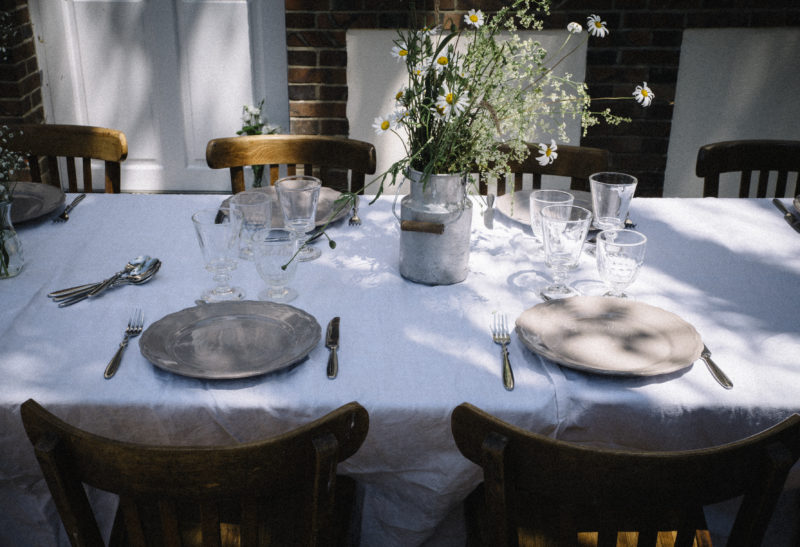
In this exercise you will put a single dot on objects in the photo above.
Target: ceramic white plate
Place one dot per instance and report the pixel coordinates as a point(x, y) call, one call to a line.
point(610, 336)
point(517, 207)
point(33, 200)
point(228, 340)
point(325, 206)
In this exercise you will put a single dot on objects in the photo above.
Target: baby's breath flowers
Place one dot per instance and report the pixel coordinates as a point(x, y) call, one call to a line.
point(253, 123)
point(476, 96)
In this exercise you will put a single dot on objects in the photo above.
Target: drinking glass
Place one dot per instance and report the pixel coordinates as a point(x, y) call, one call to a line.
point(539, 199)
point(298, 196)
point(218, 235)
point(620, 254)
point(564, 230)
point(273, 250)
point(611, 198)
point(256, 209)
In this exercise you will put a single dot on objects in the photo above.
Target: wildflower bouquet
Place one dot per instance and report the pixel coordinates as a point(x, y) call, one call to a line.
point(254, 124)
point(476, 96)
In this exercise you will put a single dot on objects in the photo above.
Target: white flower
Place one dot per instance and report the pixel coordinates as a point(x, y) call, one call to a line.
point(441, 62)
point(400, 94)
point(596, 26)
point(421, 68)
point(400, 52)
point(574, 28)
point(474, 18)
point(644, 95)
point(448, 104)
point(548, 153)
point(383, 124)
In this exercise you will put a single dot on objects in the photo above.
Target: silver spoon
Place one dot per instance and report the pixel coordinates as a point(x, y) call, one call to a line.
point(139, 260)
point(134, 278)
point(132, 266)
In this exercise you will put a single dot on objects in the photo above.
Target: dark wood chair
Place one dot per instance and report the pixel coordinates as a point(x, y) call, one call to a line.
point(49, 142)
point(328, 158)
point(576, 162)
point(555, 493)
point(748, 156)
point(280, 491)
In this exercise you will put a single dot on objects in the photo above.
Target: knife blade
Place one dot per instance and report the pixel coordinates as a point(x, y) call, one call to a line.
point(715, 371)
point(793, 221)
point(332, 343)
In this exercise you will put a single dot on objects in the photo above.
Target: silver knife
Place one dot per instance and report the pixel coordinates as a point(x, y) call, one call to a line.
point(332, 343)
point(715, 371)
point(793, 221)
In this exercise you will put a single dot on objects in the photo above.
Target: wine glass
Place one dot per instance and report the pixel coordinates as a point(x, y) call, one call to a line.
point(218, 235)
point(298, 196)
point(275, 249)
point(564, 230)
point(256, 209)
point(539, 199)
point(620, 254)
point(611, 198)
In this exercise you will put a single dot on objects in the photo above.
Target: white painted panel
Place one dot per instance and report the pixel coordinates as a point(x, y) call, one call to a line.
point(373, 77)
point(732, 84)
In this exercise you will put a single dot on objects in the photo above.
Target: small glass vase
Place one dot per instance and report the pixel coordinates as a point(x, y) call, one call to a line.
point(11, 258)
point(254, 176)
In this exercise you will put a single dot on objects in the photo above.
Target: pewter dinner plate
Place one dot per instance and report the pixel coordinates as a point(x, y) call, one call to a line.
point(517, 207)
point(609, 336)
point(327, 197)
point(230, 339)
point(33, 200)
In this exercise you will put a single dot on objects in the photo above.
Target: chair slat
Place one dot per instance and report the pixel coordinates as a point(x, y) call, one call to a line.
point(210, 524)
point(763, 180)
point(87, 174)
point(169, 523)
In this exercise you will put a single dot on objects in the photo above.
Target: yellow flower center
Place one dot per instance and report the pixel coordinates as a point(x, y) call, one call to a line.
point(403, 52)
point(644, 93)
point(473, 18)
point(548, 152)
point(398, 96)
point(442, 60)
point(449, 98)
point(385, 125)
point(598, 24)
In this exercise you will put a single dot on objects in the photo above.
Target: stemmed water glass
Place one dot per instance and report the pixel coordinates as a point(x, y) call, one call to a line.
point(564, 230)
point(275, 249)
point(620, 254)
point(256, 209)
point(539, 199)
point(218, 235)
point(298, 196)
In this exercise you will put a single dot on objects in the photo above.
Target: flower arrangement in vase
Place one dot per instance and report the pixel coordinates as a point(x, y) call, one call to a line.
point(254, 124)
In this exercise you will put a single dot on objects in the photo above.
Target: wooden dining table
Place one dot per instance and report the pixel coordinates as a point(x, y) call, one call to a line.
point(409, 353)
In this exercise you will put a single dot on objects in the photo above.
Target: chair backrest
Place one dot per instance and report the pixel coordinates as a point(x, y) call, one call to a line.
point(279, 491)
point(559, 488)
point(328, 158)
point(748, 156)
point(73, 142)
point(576, 162)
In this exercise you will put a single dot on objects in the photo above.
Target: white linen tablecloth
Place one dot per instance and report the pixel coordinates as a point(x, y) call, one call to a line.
point(409, 353)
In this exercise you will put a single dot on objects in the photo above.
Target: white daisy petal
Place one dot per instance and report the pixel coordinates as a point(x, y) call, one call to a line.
point(596, 27)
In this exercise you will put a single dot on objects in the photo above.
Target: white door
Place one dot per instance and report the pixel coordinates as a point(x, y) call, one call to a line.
point(170, 74)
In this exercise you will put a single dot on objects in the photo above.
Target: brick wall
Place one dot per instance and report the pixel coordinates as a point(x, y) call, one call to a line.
point(20, 80)
point(644, 45)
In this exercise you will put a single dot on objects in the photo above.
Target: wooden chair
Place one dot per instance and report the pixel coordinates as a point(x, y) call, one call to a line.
point(747, 156)
point(49, 142)
point(280, 491)
point(555, 493)
point(576, 162)
point(328, 158)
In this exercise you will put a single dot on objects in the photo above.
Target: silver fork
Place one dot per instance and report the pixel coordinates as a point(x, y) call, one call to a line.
point(64, 216)
point(135, 324)
point(501, 336)
point(354, 220)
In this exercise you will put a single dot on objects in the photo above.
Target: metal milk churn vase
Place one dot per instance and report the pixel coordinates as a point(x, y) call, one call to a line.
point(435, 223)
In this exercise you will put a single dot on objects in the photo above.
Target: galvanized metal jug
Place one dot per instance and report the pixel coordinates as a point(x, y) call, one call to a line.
point(435, 223)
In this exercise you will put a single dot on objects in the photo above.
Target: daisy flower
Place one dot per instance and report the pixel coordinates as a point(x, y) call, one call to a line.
point(474, 18)
point(421, 69)
point(400, 94)
point(644, 95)
point(574, 28)
point(596, 26)
point(448, 104)
point(548, 153)
point(441, 62)
point(400, 52)
point(383, 124)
